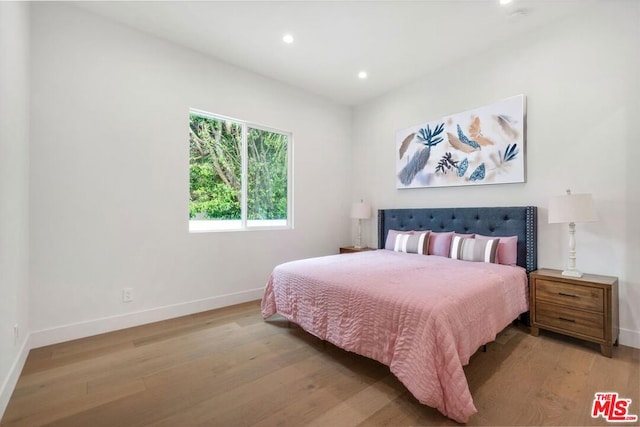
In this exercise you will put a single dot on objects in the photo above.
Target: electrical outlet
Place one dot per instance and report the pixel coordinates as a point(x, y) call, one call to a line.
point(16, 334)
point(127, 294)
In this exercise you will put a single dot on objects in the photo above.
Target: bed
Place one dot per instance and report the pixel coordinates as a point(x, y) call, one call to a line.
point(424, 316)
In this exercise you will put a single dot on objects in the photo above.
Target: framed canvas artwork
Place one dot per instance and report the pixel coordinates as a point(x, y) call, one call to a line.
point(480, 146)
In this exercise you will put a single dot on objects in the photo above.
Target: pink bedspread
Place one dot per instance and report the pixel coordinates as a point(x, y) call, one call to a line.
point(423, 316)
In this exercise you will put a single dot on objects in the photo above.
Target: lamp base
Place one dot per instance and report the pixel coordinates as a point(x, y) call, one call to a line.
point(572, 273)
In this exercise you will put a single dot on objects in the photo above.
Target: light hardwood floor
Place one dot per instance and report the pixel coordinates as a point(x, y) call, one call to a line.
point(228, 367)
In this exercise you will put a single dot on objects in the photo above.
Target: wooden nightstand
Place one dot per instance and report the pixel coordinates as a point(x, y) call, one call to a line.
point(351, 249)
point(585, 308)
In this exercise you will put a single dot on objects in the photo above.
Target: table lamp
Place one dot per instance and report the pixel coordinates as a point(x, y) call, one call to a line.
point(360, 211)
point(571, 208)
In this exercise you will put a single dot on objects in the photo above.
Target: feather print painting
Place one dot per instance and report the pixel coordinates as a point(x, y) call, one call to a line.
point(480, 146)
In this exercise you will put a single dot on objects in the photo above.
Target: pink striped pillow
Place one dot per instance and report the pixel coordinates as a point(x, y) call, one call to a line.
point(478, 250)
point(507, 249)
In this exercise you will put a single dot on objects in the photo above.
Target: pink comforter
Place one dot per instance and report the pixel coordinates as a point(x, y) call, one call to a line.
point(423, 316)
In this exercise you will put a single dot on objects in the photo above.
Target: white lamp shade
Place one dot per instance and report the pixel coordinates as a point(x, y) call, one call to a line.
point(360, 210)
point(571, 208)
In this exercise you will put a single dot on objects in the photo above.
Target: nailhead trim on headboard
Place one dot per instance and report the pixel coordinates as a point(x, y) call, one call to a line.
point(532, 238)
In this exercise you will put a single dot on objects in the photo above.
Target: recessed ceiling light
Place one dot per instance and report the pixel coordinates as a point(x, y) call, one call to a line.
point(362, 75)
point(287, 38)
point(503, 2)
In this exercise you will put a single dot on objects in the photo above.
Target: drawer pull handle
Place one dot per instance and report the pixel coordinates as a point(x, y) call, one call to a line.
point(567, 320)
point(568, 295)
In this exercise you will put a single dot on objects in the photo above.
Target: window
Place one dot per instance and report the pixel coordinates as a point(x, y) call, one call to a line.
point(239, 175)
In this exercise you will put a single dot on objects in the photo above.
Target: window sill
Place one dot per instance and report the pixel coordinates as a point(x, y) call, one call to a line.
point(215, 226)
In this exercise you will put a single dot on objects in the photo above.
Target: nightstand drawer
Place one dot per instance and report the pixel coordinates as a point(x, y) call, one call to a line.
point(351, 249)
point(583, 322)
point(578, 296)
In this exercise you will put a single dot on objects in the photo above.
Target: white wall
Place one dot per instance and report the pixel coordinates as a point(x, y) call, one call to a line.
point(109, 177)
point(14, 192)
point(580, 77)
point(631, 205)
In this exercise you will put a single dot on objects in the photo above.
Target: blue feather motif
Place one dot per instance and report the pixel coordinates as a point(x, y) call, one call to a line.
point(415, 165)
point(463, 138)
point(430, 137)
point(478, 174)
point(511, 152)
point(462, 169)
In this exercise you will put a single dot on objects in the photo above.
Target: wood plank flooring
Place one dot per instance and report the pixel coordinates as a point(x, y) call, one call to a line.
point(228, 367)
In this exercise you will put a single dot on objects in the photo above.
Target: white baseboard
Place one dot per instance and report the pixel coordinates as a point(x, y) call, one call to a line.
point(112, 323)
point(629, 338)
point(9, 384)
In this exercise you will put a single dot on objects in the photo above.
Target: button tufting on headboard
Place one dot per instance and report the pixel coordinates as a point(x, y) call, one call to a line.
point(503, 221)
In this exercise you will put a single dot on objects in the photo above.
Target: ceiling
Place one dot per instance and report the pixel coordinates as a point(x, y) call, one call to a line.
point(396, 42)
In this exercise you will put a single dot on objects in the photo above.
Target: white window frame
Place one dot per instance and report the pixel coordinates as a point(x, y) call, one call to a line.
point(205, 226)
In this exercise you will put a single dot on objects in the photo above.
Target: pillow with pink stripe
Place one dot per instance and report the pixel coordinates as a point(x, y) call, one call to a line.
point(468, 249)
point(507, 249)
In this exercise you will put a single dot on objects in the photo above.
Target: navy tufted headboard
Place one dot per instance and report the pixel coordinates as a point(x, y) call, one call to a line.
point(518, 221)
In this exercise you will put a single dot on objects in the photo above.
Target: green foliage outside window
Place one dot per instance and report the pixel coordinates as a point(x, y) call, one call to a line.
point(216, 171)
point(267, 175)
